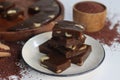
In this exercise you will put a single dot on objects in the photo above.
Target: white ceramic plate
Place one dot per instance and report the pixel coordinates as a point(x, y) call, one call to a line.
point(31, 56)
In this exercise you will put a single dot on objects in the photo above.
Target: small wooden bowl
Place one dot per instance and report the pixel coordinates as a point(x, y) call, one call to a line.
point(91, 21)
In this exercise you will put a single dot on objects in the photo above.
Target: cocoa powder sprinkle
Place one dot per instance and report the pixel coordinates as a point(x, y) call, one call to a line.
point(107, 35)
point(8, 65)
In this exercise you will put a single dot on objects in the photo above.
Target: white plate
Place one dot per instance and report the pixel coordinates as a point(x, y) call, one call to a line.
point(31, 56)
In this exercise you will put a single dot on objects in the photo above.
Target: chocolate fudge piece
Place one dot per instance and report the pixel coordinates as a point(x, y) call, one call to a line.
point(55, 63)
point(67, 29)
point(80, 59)
point(53, 60)
point(68, 43)
point(68, 53)
point(5, 5)
point(13, 13)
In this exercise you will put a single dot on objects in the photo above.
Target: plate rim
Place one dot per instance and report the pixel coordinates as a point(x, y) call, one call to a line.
point(64, 75)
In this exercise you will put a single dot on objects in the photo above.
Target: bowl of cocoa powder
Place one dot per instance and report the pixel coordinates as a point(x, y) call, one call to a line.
point(90, 14)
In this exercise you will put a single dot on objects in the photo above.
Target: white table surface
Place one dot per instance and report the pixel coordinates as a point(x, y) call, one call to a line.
point(109, 70)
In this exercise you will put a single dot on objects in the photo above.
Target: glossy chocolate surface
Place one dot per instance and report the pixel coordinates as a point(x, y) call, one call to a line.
point(67, 29)
point(48, 12)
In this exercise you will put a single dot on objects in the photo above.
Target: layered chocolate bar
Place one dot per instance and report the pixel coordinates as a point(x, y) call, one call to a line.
point(68, 29)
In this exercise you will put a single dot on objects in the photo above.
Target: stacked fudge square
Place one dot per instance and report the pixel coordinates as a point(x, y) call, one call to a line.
point(66, 46)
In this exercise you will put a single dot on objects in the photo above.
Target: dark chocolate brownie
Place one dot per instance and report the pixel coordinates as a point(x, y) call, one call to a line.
point(80, 59)
point(68, 43)
point(67, 29)
point(53, 61)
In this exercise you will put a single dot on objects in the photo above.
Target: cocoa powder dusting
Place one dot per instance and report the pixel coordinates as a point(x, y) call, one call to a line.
point(90, 7)
point(8, 65)
point(107, 35)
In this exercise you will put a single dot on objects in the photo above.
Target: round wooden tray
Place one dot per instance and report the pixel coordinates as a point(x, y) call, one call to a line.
point(26, 34)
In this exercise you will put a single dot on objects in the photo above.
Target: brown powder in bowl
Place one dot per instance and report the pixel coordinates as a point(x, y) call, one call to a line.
point(90, 7)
